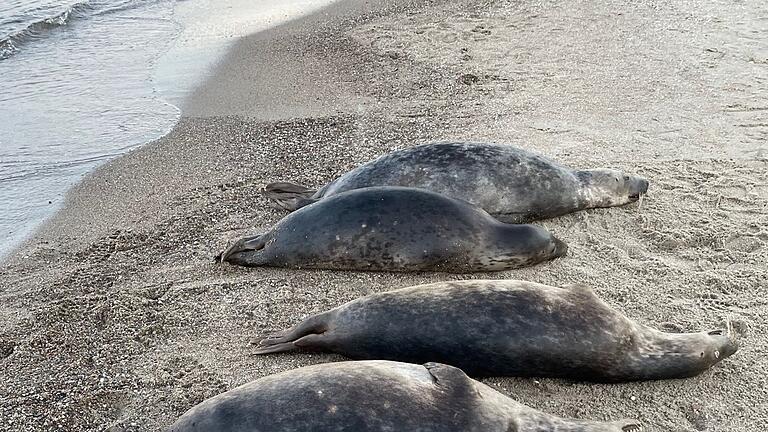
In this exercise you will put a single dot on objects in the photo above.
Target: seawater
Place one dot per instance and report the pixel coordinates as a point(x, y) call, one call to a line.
point(84, 82)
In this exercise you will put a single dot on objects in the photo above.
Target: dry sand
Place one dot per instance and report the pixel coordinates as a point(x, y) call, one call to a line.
point(114, 316)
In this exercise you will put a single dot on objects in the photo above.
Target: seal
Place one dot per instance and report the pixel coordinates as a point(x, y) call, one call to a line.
point(512, 184)
point(506, 328)
point(374, 396)
point(395, 229)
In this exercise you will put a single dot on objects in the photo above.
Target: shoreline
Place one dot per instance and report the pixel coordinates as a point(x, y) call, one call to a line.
point(181, 64)
point(117, 318)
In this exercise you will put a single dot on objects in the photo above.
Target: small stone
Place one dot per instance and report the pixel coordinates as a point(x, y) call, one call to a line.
point(469, 79)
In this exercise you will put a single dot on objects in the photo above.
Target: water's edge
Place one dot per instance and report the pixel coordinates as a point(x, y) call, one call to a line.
point(199, 44)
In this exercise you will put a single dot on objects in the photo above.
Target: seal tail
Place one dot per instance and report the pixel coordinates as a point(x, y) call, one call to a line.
point(289, 196)
point(306, 334)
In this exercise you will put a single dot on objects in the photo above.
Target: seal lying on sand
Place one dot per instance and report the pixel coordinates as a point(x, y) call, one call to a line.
point(396, 229)
point(505, 328)
point(510, 183)
point(374, 396)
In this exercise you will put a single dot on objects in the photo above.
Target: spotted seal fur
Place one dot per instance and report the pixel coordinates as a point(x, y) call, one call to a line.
point(375, 396)
point(512, 184)
point(395, 229)
point(505, 327)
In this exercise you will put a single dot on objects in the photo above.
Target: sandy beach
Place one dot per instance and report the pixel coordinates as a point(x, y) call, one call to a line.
point(114, 316)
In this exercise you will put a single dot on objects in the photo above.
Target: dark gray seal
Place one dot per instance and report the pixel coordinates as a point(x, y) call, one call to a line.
point(395, 229)
point(375, 396)
point(512, 184)
point(506, 328)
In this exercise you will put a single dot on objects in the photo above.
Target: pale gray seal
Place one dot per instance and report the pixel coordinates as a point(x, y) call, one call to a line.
point(512, 184)
point(395, 229)
point(375, 396)
point(505, 328)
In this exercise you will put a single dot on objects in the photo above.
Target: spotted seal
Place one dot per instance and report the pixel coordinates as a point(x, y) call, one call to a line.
point(512, 184)
point(374, 396)
point(505, 328)
point(395, 229)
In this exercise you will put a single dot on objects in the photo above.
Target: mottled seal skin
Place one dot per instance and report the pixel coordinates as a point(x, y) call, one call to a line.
point(375, 396)
point(505, 328)
point(512, 184)
point(395, 229)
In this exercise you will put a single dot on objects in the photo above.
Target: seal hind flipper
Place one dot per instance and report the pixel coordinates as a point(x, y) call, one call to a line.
point(289, 196)
point(631, 426)
point(309, 341)
point(305, 335)
point(254, 243)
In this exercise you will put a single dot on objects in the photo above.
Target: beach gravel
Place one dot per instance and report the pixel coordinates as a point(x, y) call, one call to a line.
point(115, 317)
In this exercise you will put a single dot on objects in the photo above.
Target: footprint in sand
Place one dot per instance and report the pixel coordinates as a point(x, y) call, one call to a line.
point(746, 244)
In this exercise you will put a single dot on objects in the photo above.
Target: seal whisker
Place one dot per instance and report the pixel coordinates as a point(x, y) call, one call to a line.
point(570, 227)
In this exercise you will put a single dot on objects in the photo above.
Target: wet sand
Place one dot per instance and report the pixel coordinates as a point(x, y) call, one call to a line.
point(115, 316)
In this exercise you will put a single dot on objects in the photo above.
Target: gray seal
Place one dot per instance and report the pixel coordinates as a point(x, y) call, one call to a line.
point(506, 328)
point(395, 229)
point(375, 396)
point(512, 184)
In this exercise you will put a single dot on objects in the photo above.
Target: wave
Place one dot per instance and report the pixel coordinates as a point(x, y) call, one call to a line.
point(24, 171)
point(11, 44)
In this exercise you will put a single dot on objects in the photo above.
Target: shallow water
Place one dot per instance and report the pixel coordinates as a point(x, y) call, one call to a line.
point(73, 94)
point(79, 85)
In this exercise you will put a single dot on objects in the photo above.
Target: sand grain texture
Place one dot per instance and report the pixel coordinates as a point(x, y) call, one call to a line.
point(115, 317)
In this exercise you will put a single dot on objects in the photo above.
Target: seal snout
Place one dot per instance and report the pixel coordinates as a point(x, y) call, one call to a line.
point(726, 345)
point(638, 187)
point(561, 248)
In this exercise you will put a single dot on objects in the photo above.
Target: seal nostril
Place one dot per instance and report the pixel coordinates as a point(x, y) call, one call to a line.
point(716, 333)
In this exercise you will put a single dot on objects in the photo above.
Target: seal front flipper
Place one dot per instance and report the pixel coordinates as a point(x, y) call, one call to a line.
point(445, 375)
point(452, 380)
point(307, 334)
point(289, 196)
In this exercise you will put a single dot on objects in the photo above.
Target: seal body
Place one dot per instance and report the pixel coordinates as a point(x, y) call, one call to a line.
point(505, 328)
point(512, 184)
point(395, 229)
point(374, 396)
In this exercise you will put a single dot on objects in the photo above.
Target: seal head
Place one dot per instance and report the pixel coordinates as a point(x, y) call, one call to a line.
point(609, 188)
point(661, 355)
